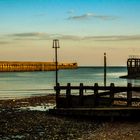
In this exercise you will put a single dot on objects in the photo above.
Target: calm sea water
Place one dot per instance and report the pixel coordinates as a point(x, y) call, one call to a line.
point(26, 84)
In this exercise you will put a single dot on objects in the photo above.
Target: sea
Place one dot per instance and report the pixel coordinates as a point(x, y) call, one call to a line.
point(14, 85)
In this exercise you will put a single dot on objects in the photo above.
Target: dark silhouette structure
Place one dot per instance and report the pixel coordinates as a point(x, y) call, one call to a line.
point(133, 67)
point(105, 69)
point(56, 46)
point(102, 101)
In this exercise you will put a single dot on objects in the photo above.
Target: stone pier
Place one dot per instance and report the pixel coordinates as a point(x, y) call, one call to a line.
point(17, 66)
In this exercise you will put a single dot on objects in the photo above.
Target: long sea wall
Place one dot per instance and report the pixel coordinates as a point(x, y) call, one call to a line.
point(11, 66)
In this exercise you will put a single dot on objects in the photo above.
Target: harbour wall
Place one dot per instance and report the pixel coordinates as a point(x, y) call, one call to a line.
point(15, 66)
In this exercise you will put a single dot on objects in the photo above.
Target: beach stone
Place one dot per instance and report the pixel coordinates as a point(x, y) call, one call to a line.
point(39, 125)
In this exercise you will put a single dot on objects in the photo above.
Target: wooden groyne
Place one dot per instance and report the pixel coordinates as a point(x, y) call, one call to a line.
point(100, 96)
point(15, 66)
point(102, 101)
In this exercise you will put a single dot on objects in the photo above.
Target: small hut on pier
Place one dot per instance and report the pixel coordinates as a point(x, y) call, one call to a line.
point(133, 67)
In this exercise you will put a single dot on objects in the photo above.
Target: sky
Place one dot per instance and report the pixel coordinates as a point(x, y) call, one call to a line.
point(85, 29)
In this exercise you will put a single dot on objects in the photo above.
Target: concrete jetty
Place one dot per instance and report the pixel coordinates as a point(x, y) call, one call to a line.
point(17, 66)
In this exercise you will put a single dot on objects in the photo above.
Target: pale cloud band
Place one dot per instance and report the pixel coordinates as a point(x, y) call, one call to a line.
point(42, 36)
point(31, 34)
point(113, 38)
point(4, 42)
point(47, 36)
point(88, 16)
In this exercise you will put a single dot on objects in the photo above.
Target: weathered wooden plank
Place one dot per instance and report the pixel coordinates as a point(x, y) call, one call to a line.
point(68, 94)
point(81, 94)
point(116, 88)
point(111, 94)
point(96, 95)
point(102, 96)
point(129, 94)
point(57, 94)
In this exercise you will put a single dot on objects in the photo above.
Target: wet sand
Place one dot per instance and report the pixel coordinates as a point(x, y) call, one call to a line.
point(17, 124)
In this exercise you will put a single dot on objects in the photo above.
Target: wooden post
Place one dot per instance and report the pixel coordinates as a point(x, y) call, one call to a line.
point(68, 94)
point(105, 69)
point(81, 94)
point(129, 94)
point(96, 96)
point(57, 89)
point(56, 46)
point(111, 94)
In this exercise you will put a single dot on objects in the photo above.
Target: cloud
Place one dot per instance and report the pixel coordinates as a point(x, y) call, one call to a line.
point(42, 36)
point(48, 36)
point(32, 34)
point(90, 16)
point(113, 38)
point(96, 38)
point(67, 37)
point(4, 42)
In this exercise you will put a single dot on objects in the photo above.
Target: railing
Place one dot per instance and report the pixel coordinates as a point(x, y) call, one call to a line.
point(134, 56)
point(101, 96)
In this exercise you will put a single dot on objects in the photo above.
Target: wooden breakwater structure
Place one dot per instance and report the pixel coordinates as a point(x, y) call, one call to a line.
point(17, 66)
point(133, 67)
point(103, 100)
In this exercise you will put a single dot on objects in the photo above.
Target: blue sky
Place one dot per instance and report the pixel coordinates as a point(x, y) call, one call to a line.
point(84, 27)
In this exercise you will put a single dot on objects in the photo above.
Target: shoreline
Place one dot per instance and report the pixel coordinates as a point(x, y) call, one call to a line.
point(32, 124)
point(135, 77)
point(31, 101)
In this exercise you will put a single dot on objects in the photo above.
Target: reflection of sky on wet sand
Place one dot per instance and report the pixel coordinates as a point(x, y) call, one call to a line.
point(44, 107)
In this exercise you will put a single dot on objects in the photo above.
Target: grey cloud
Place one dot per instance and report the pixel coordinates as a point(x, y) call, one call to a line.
point(42, 36)
point(96, 38)
point(47, 36)
point(90, 16)
point(4, 42)
point(69, 37)
point(32, 34)
point(113, 38)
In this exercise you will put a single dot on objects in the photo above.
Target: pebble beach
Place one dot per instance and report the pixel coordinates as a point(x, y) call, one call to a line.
point(18, 121)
